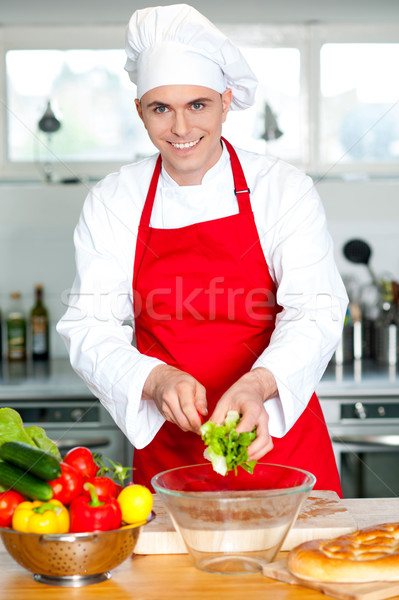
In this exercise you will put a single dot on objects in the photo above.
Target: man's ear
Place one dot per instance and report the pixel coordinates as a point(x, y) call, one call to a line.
point(227, 97)
point(138, 108)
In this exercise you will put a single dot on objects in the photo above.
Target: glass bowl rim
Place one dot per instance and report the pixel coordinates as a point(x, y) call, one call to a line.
point(274, 492)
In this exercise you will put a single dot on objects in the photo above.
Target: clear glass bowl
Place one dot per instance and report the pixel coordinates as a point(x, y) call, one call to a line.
point(236, 523)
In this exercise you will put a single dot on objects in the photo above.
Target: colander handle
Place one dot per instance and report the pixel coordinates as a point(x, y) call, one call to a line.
point(91, 537)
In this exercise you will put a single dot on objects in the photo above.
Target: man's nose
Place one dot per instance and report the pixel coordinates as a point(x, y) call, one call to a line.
point(181, 125)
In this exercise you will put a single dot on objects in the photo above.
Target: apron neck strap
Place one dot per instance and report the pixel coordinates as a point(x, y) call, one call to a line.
point(149, 202)
point(241, 189)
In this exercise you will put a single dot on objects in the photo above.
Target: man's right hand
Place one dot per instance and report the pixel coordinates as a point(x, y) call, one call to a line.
point(179, 397)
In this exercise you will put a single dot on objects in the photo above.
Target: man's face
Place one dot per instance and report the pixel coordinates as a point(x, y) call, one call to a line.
point(185, 123)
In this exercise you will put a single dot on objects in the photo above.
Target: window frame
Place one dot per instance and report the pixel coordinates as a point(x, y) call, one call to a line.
point(308, 38)
point(281, 36)
point(53, 38)
point(321, 34)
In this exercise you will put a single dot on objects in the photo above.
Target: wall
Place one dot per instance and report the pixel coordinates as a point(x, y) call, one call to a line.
point(36, 229)
point(93, 12)
point(368, 210)
point(37, 223)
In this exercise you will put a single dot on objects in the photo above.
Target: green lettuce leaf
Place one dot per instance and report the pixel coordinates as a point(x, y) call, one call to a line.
point(226, 449)
point(12, 429)
point(39, 438)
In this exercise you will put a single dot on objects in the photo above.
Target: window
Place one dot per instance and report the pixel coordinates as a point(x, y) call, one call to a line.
point(93, 98)
point(327, 100)
point(90, 94)
point(359, 103)
point(276, 123)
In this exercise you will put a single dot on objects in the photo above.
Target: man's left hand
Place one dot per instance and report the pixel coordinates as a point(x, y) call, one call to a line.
point(247, 396)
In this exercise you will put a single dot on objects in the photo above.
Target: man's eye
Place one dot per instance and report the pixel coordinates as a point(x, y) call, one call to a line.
point(161, 109)
point(197, 106)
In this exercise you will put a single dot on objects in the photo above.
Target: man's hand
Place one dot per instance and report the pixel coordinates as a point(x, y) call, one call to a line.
point(247, 396)
point(178, 396)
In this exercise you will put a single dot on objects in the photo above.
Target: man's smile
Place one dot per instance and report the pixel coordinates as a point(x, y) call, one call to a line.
point(181, 146)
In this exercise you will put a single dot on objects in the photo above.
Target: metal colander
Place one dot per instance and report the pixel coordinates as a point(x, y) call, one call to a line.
point(72, 559)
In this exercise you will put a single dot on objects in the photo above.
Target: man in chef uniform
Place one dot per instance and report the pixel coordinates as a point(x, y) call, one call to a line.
point(219, 257)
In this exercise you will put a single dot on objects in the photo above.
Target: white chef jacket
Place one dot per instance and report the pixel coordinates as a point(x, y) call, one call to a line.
point(98, 326)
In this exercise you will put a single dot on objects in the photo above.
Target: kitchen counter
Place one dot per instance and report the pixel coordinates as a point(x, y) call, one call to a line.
point(41, 380)
point(362, 378)
point(56, 379)
point(170, 577)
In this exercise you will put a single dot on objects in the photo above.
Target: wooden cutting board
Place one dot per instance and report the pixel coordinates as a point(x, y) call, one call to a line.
point(322, 515)
point(377, 590)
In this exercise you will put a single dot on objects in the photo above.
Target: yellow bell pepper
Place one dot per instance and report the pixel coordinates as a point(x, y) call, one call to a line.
point(41, 517)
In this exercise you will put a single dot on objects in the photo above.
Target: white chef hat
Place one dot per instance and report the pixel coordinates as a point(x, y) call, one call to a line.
point(176, 45)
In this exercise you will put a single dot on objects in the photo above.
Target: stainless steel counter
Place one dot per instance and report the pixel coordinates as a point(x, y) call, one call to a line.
point(56, 379)
point(40, 380)
point(363, 379)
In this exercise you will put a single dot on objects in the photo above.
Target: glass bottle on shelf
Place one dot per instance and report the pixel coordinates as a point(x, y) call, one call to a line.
point(16, 329)
point(1, 336)
point(39, 327)
point(386, 334)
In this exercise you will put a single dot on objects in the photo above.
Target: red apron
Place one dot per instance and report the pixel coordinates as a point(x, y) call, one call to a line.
point(205, 303)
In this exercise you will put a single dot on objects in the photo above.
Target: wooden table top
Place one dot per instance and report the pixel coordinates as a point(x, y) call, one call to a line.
point(174, 577)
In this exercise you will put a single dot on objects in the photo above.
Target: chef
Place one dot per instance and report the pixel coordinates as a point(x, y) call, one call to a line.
point(205, 274)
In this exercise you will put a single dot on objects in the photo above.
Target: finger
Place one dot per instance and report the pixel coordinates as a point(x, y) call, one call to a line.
point(201, 405)
point(196, 416)
point(259, 448)
point(263, 442)
point(189, 417)
point(172, 411)
point(247, 423)
point(220, 412)
point(169, 416)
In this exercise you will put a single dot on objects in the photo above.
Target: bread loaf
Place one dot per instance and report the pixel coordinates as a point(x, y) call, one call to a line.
point(370, 554)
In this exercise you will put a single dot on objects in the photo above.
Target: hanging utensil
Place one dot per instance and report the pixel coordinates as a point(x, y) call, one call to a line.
point(272, 130)
point(358, 251)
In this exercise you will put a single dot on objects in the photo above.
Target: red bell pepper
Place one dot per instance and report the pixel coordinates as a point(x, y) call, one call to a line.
point(105, 487)
point(92, 514)
point(8, 503)
point(68, 486)
point(82, 459)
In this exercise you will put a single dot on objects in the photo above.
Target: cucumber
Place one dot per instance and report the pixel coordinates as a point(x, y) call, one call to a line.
point(30, 458)
point(28, 485)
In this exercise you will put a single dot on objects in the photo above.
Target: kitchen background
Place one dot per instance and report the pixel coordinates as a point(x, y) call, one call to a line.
point(37, 218)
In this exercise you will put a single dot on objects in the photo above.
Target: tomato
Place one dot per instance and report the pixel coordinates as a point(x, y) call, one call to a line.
point(104, 486)
point(8, 503)
point(82, 459)
point(68, 486)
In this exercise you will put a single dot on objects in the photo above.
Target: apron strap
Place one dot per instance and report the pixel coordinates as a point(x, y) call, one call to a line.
point(241, 188)
point(143, 230)
point(149, 202)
